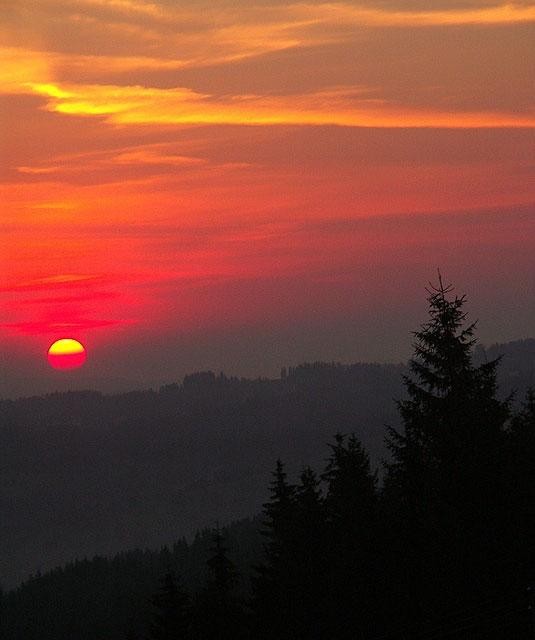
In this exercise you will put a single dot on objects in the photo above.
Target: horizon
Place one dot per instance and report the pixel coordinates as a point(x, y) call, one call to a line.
point(86, 384)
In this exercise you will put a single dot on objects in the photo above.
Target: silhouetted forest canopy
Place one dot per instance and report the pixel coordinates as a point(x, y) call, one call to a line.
point(430, 536)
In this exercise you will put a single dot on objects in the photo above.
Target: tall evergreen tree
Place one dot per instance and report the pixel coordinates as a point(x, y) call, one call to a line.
point(309, 516)
point(223, 571)
point(351, 498)
point(309, 559)
point(445, 482)
point(172, 617)
point(273, 595)
point(351, 534)
point(289, 590)
point(220, 614)
point(522, 475)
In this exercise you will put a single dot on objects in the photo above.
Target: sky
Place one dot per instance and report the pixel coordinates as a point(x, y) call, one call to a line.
point(245, 185)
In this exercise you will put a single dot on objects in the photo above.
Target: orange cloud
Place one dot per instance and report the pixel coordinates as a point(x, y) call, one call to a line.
point(335, 13)
point(19, 67)
point(123, 6)
point(190, 38)
point(343, 106)
point(222, 34)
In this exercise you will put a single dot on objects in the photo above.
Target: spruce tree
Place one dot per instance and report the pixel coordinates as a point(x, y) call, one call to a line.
point(289, 590)
point(445, 481)
point(351, 537)
point(309, 515)
point(273, 596)
point(223, 573)
point(279, 514)
point(351, 486)
point(309, 559)
point(220, 614)
point(172, 617)
point(522, 489)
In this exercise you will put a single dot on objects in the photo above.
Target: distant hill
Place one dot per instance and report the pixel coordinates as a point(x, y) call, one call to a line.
point(85, 473)
point(110, 598)
point(517, 366)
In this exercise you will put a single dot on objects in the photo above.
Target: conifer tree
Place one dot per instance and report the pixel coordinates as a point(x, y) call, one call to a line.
point(289, 589)
point(220, 615)
point(309, 513)
point(522, 490)
point(351, 487)
point(223, 571)
point(273, 595)
point(279, 514)
point(172, 617)
point(445, 482)
point(521, 495)
point(308, 560)
point(351, 516)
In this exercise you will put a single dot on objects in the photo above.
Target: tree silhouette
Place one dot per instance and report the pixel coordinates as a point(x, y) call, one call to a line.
point(172, 617)
point(445, 482)
point(308, 588)
point(273, 597)
point(220, 615)
point(522, 489)
point(351, 519)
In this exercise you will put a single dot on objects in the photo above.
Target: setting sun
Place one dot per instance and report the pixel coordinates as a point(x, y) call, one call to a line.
point(66, 354)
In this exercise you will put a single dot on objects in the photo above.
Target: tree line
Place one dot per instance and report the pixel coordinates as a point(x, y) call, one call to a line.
point(443, 546)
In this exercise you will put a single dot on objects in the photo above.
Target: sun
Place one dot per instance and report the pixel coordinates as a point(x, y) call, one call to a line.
point(66, 353)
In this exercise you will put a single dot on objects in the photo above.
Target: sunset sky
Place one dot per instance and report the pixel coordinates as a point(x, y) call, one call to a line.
point(247, 185)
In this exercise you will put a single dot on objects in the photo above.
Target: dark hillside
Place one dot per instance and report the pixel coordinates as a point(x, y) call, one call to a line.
point(85, 473)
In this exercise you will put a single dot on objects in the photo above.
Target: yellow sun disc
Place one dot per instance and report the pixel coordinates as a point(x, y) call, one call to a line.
point(66, 353)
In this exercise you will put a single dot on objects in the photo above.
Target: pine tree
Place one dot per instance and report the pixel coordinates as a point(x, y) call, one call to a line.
point(279, 513)
point(273, 597)
point(220, 615)
point(289, 590)
point(172, 617)
point(308, 560)
point(309, 512)
point(522, 490)
point(351, 487)
point(445, 482)
point(223, 571)
point(351, 519)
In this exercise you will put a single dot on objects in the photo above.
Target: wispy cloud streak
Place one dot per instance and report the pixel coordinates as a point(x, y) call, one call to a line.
point(343, 106)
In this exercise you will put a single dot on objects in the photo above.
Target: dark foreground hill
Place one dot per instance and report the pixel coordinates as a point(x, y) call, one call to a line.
point(84, 473)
